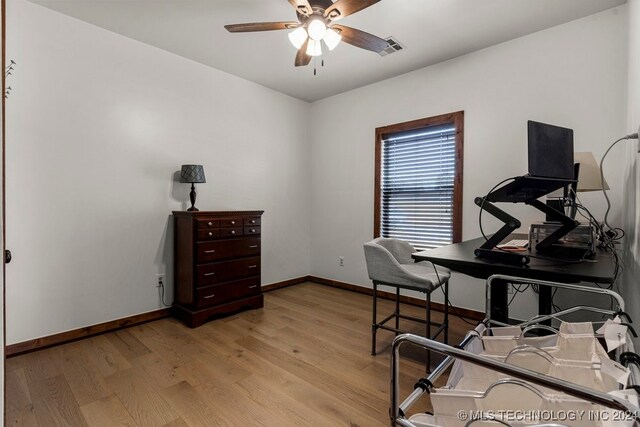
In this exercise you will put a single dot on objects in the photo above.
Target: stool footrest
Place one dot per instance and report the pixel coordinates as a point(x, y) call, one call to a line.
point(440, 326)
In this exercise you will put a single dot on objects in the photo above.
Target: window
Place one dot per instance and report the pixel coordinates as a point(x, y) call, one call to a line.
point(418, 181)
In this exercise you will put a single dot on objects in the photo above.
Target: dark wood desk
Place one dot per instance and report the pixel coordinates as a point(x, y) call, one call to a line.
point(459, 257)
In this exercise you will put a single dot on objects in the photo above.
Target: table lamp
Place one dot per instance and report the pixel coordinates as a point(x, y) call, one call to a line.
point(588, 173)
point(192, 174)
point(589, 176)
point(588, 179)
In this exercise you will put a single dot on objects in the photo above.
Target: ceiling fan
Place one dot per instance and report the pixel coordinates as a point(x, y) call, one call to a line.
point(316, 24)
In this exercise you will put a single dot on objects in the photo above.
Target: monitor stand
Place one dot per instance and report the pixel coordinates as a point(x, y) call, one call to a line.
point(487, 250)
point(525, 189)
point(568, 224)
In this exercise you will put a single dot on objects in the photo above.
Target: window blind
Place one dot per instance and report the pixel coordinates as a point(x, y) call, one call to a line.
point(418, 172)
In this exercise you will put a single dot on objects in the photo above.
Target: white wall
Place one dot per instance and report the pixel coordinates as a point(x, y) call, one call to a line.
point(572, 75)
point(97, 125)
point(631, 283)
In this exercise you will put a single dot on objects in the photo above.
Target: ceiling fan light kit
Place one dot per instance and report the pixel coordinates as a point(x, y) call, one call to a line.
point(298, 37)
point(317, 29)
point(314, 48)
point(332, 38)
point(316, 25)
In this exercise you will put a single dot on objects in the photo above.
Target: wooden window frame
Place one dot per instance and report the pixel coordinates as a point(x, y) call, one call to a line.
point(457, 118)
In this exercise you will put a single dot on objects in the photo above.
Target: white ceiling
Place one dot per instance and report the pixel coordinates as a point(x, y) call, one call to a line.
point(432, 31)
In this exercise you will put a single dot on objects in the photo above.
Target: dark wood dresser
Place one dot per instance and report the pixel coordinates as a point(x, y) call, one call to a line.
point(216, 264)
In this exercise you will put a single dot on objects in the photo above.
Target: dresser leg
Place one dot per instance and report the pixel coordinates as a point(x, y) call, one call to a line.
point(195, 318)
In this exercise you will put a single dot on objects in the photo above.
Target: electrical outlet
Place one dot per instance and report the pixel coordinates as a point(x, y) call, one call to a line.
point(160, 280)
point(341, 260)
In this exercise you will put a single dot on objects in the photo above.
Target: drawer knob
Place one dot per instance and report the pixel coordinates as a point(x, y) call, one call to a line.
point(253, 246)
point(233, 222)
point(253, 266)
point(209, 274)
point(209, 223)
point(210, 234)
point(209, 296)
point(210, 252)
point(253, 230)
point(233, 231)
point(253, 221)
point(252, 287)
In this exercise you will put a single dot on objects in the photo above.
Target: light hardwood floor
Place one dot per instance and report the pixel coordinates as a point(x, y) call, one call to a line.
point(302, 360)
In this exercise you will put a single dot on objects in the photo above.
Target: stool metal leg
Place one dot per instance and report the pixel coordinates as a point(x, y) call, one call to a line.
point(446, 312)
point(397, 309)
point(428, 301)
point(374, 325)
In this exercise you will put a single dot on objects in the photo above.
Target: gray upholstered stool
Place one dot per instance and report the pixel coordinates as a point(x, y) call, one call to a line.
point(389, 263)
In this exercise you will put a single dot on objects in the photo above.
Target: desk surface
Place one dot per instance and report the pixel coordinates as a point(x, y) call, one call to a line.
point(460, 257)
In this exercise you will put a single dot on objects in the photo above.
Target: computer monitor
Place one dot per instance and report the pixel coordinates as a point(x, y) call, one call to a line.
point(550, 151)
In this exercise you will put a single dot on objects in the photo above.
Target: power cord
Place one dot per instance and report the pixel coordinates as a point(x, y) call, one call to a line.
point(518, 289)
point(604, 191)
point(607, 240)
point(161, 289)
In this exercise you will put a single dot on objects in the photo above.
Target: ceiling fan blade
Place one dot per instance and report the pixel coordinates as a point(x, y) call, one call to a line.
point(361, 39)
point(323, 4)
point(302, 6)
point(302, 58)
point(261, 26)
point(343, 8)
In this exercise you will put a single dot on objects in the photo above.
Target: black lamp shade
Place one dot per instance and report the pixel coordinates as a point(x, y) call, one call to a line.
point(192, 173)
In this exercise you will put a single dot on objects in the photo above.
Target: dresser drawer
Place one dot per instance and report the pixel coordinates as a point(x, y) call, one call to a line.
point(219, 272)
point(219, 294)
point(231, 232)
point(231, 222)
point(249, 222)
point(222, 249)
point(204, 234)
point(248, 231)
point(207, 223)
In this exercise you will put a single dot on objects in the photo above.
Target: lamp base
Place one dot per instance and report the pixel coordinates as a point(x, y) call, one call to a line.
point(192, 197)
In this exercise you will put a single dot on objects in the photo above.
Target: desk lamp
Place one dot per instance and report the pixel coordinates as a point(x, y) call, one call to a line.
point(588, 179)
point(192, 174)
